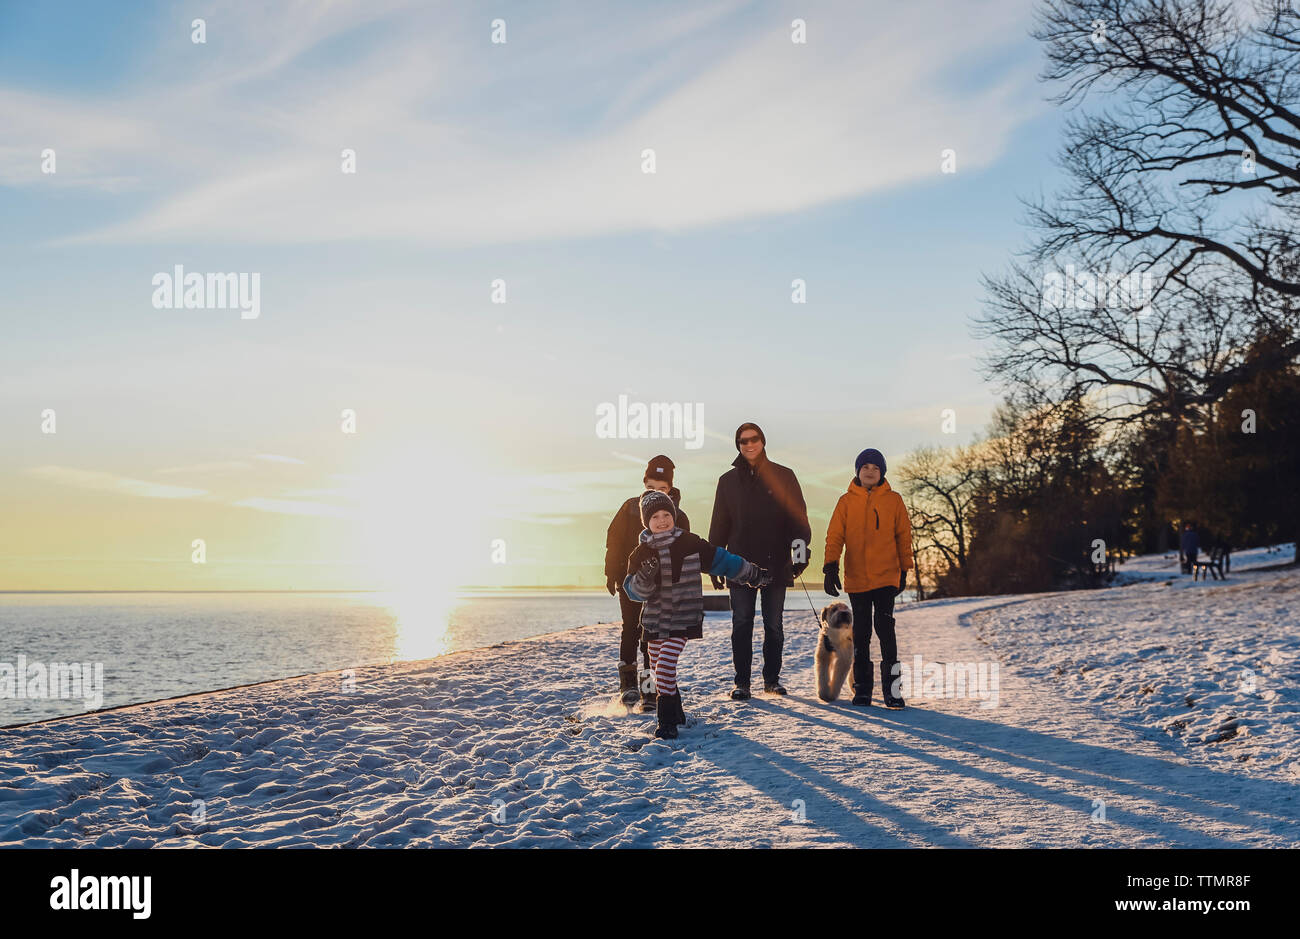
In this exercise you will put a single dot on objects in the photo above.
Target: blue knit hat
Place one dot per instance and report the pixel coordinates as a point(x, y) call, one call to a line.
point(869, 455)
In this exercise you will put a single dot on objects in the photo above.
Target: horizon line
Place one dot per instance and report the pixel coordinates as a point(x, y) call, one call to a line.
point(302, 590)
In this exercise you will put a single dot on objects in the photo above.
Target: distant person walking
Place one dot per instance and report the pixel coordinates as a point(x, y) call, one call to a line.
point(621, 539)
point(759, 513)
point(1189, 547)
point(870, 525)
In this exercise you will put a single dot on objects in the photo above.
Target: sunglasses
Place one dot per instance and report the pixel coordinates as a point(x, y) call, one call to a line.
point(746, 441)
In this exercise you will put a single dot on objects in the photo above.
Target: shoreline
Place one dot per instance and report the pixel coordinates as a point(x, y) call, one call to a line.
point(459, 592)
point(1134, 579)
point(302, 675)
point(522, 744)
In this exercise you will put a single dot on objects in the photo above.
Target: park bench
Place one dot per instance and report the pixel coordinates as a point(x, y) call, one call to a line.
point(1211, 566)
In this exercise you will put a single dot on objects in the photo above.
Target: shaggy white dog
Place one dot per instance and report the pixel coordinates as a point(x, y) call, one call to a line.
point(834, 657)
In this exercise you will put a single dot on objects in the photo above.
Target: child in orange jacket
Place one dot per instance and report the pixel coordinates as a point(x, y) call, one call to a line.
point(871, 526)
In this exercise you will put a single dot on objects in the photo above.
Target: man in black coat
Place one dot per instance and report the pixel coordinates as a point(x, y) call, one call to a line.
point(759, 513)
point(621, 539)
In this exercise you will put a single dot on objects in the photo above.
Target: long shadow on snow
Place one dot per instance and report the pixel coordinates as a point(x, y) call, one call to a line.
point(828, 803)
point(1086, 767)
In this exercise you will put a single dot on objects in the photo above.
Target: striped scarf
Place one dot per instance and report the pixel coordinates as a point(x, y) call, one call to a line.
point(678, 604)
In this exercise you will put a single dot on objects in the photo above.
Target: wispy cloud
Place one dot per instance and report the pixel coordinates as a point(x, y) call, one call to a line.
point(296, 507)
point(539, 519)
point(628, 457)
point(744, 124)
point(274, 458)
point(196, 469)
point(321, 494)
point(107, 482)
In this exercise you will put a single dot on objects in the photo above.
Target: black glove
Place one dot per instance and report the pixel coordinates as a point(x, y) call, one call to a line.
point(649, 566)
point(764, 577)
point(718, 582)
point(902, 582)
point(832, 583)
point(799, 568)
point(611, 584)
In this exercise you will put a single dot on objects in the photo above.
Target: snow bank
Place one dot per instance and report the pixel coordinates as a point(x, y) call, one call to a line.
point(1211, 667)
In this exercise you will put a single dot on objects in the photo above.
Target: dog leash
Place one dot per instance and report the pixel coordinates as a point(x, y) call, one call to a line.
point(816, 616)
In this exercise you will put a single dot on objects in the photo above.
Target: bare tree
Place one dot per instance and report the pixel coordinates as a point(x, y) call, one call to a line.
point(1186, 183)
point(939, 485)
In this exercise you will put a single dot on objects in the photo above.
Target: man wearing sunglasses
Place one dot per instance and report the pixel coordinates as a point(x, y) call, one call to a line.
point(759, 513)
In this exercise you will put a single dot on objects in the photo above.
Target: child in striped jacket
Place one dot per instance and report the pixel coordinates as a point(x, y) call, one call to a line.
point(663, 573)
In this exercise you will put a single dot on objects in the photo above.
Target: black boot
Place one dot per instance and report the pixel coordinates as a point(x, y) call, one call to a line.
point(627, 690)
point(677, 707)
point(863, 679)
point(887, 679)
point(666, 712)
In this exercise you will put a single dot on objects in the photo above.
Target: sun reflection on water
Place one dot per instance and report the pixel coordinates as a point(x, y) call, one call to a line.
point(422, 622)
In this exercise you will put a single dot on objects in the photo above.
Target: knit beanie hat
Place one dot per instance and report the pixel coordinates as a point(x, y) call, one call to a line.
point(660, 468)
point(652, 501)
point(869, 456)
point(749, 426)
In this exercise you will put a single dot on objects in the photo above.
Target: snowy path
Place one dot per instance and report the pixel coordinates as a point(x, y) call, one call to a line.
point(422, 754)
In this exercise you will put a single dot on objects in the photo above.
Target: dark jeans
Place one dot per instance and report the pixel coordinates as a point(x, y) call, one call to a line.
point(874, 608)
point(631, 631)
point(743, 600)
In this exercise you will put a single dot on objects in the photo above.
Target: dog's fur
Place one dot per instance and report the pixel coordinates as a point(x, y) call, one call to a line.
point(834, 657)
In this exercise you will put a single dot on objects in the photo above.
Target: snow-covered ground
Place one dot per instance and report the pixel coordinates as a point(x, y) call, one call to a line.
point(518, 744)
point(1212, 667)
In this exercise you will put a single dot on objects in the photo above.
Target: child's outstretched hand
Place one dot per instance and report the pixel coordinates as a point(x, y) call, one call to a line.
point(649, 566)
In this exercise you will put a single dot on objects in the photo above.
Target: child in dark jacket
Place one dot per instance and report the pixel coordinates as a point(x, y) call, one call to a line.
point(663, 573)
point(621, 539)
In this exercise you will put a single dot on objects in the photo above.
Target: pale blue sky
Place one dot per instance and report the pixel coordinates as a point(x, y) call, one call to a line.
point(519, 161)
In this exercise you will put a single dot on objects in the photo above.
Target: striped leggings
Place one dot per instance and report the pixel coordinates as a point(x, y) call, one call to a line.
point(663, 660)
